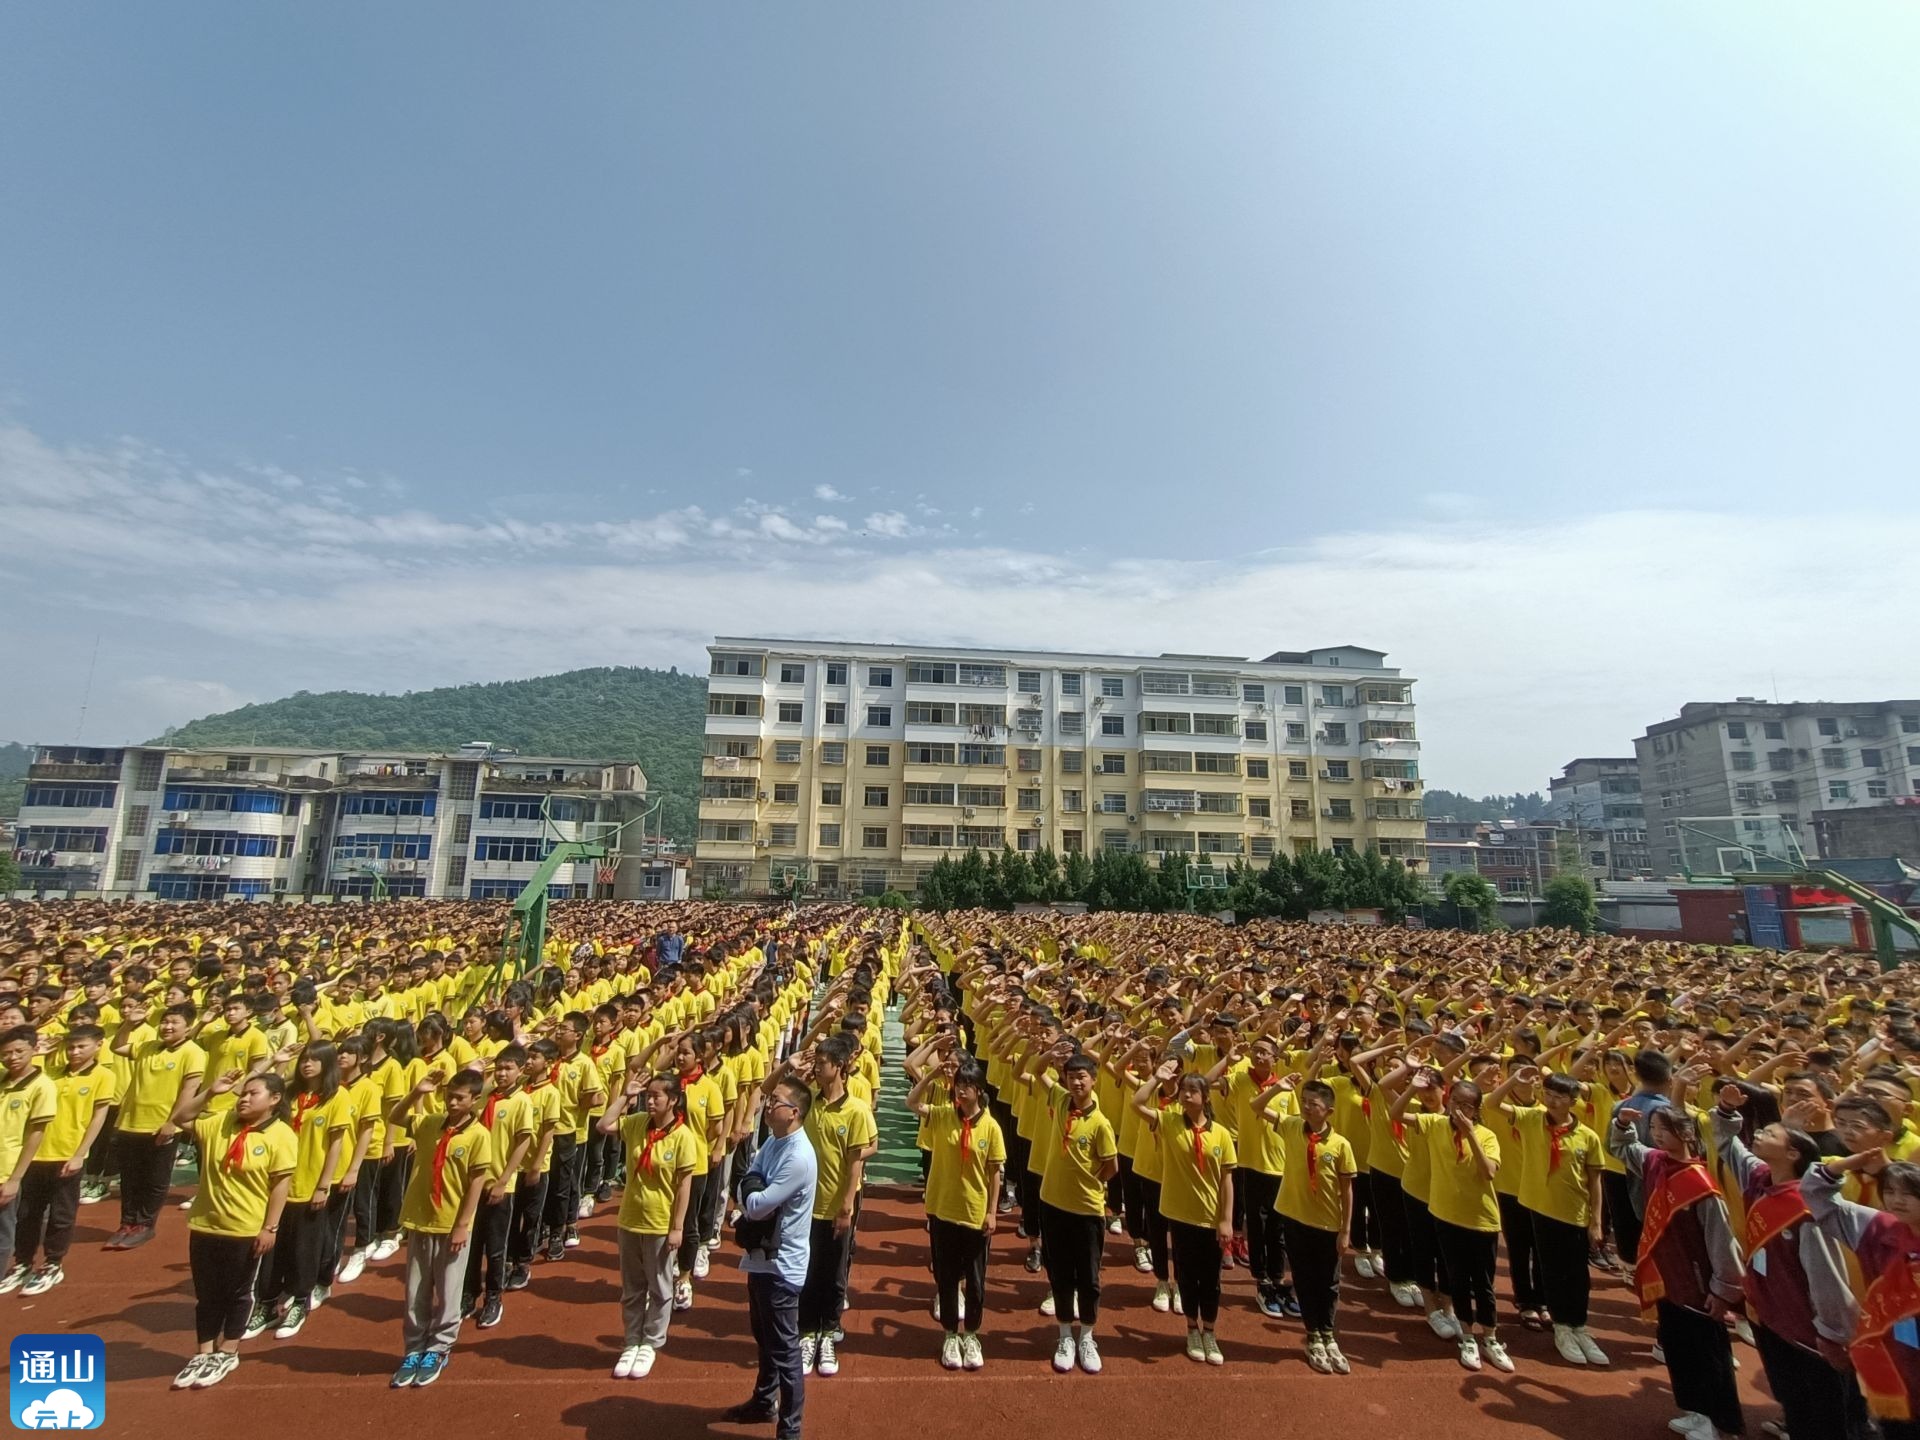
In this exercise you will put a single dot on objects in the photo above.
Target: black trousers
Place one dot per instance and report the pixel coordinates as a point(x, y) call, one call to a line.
point(1700, 1366)
point(690, 1236)
point(1030, 1200)
point(716, 1197)
point(293, 1269)
point(490, 1227)
point(395, 1171)
point(146, 1174)
point(1266, 1236)
point(1564, 1277)
point(1622, 1219)
point(825, 1292)
point(1811, 1391)
point(339, 1207)
point(1363, 1227)
point(1196, 1269)
point(1159, 1241)
point(1428, 1264)
point(103, 1161)
point(1133, 1200)
point(1316, 1273)
point(1523, 1265)
point(529, 1208)
point(601, 1166)
point(223, 1267)
point(1468, 1256)
point(1073, 1261)
point(959, 1266)
point(1390, 1221)
point(49, 1202)
point(366, 1191)
point(563, 1187)
point(773, 1308)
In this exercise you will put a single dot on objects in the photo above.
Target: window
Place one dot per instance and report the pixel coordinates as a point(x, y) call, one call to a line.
point(1027, 799)
point(1069, 684)
point(1113, 764)
point(786, 752)
point(66, 837)
point(834, 752)
point(1746, 794)
point(880, 716)
point(1334, 734)
point(1333, 695)
point(879, 755)
point(748, 705)
point(1258, 770)
point(926, 754)
point(831, 793)
point(1028, 682)
point(922, 672)
point(1743, 760)
point(522, 848)
point(1257, 730)
point(789, 713)
point(829, 834)
point(983, 754)
point(939, 837)
point(983, 675)
point(1780, 760)
point(1828, 727)
point(836, 672)
point(1219, 804)
point(874, 797)
point(1216, 764)
point(1071, 800)
point(1165, 760)
point(1834, 758)
point(96, 797)
point(1872, 759)
point(786, 794)
point(1113, 724)
point(1296, 732)
point(873, 837)
point(721, 788)
point(1260, 847)
point(1114, 840)
point(991, 795)
point(1114, 687)
point(1296, 769)
point(1112, 804)
point(929, 794)
point(1876, 789)
point(1259, 807)
point(1913, 754)
point(1294, 694)
point(1073, 722)
point(1839, 790)
point(1029, 760)
point(783, 837)
point(793, 674)
point(1339, 809)
point(424, 805)
point(1736, 729)
point(880, 677)
point(1909, 725)
point(982, 837)
point(1299, 810)
point(1254, 694)
point(1028, 840)
point(1214, 725)
point(836, 712)
point(1336, 770)
point(1773, 730)
point(742, 665)
point(1073, 762)
point(1073, 842)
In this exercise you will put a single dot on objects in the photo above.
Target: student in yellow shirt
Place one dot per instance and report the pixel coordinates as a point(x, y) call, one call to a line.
point(968, 1156)
point(654, 1210)
point(511, 1123)
point(443, 1196)
point(394, 1062)
point(247, 1157)
point(353, 1186)
point(530, 1199)
point(1081, 1157)
point(844, 1136)
point(1197, 1157)
point(166, 1069)
point(1560, 1186)
point(28, 1104)
point(50, 1193)
point(1465, 1158)
point(321, 1116)
point(1315, 1205)
point(1257, 1178)
point(581, 1090)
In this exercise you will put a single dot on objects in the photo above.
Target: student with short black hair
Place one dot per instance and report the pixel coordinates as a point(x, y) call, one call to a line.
point(443, 1196)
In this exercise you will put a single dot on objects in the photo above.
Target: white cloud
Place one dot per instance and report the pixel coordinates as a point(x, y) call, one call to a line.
point(1530, 644)
point(827, 493)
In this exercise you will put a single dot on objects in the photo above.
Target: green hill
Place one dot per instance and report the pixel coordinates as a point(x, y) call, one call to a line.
point(14, 758)
point(653, 716)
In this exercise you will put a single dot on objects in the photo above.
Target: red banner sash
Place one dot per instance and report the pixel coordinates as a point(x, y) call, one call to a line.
point(1893, 1296)
point(1681, 1190)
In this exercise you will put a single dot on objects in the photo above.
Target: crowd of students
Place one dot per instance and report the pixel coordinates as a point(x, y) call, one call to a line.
point(1728, 1132)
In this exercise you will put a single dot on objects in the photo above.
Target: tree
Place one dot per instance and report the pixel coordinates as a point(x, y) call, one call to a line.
point(1570, 904)
point(1077, 876)
point(1475, 895)
point(9, 872)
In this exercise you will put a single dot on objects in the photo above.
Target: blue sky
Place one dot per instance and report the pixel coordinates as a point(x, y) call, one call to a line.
point(1569, 358)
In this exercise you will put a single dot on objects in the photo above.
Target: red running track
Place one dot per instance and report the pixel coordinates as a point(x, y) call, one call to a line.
point(546, 1370)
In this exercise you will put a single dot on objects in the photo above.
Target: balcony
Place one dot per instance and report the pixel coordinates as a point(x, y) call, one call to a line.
point(387, 777)
point(245, 779)
point(1390, 748)
point(46, 770)
point(543, 785)
point(730, 765)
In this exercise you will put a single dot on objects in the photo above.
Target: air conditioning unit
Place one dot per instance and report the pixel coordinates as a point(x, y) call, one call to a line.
point(1326, 774)
point(967, 812)
point(1099, 702)
point(180, 817)
point(1326, 812)
point(1259, 708)
point(1133, 819)
point(402, 867)
point(762, 844)
point(1266, 822)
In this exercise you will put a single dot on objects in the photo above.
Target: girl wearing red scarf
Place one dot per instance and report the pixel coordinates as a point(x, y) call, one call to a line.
point(1197, 1159)
point(322, 1122)
point(1886, 1344)
point(1689, 1273)
point(968, 1156)
point(655, 1209)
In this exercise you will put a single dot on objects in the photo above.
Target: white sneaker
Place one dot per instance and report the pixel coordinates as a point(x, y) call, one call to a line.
point(351, 1268)
point(1143, 1259)
point(385, 1249)
point(187, 1204)
point(1317, 1356)
point(1568, 1346)
point(1064, 1354)
point(317, 1297)
point(1178, 1308)
point(291, 1322)
point(1660, 1358)
point(1443, 1325)
point(1595, 1355)
point(1212, 1347)
point(643, 1362)
point(1496, 1354)
point(950, 1353)
point(809, 1353)
point(1114, 1225)
point(1162, 1298)
point(683, 1295)
point(1089, 1353)
point(1337, 1358)
point(1047, 1306)
point(1407, 1295)
point(190, 1372)
point(224, 1364)
point(971, 1355)
point(1196, 1347)
point(13, 1279)
point(828, 1361)
point(586, 1207)
point(1469, 1352)
point(1690, 1422)
point(702, 1263)
point(1363, 1266)
point(1742, 1329)
point(623, 1367)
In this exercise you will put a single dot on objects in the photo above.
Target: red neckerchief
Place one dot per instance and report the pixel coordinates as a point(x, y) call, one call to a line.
point(602, 1049)
point(1459, 1145)
point(302, 1103)
point(966, 1135)
point(541, 1083)
point(493, 1104)
point(692, 1077)
point(1066, 1130)
point(440, 1159)
point(654, 1137)
point(1554, 1134)
point(1313, 1160)
point(1199, 1146)
point(237, 1151)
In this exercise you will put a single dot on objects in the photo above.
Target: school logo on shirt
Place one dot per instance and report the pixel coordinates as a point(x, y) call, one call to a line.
point(57, 1382)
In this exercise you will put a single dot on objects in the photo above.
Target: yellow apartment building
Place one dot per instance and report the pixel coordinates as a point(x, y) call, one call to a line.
point(861, 765)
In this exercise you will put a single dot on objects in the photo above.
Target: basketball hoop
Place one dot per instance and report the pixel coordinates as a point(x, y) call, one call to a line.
point(606, 874)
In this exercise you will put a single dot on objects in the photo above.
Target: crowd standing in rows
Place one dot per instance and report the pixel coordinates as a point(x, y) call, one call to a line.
point(1729, 1132)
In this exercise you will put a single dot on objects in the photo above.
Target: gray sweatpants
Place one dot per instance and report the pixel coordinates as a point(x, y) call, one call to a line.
point(646, 1287)
point(435, 1276)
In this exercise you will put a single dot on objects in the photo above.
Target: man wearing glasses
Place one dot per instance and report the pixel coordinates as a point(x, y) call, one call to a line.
point(779, 1187)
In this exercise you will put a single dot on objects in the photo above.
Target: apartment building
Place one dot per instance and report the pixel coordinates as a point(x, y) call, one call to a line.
point(1599, 801)
point(1762, 759)
point(255, 822)
point(866, 763)
point(1517, 857)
